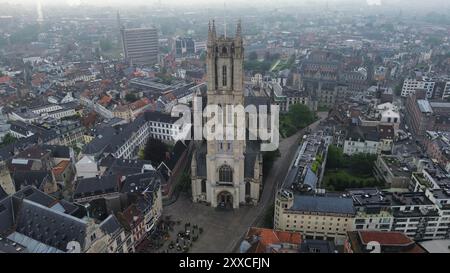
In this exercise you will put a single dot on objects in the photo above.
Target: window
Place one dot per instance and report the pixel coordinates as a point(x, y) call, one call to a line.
point(224, 75)
point(225, 174)
point(203, 186)
point(248, 189)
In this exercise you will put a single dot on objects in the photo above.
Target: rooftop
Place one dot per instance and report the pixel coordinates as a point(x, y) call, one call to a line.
point(323, 204)
point(390, 242)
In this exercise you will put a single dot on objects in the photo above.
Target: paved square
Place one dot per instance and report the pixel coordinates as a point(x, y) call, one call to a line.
point(222, 230)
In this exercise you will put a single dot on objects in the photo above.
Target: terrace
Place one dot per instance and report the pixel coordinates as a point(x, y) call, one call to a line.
point(420, 178)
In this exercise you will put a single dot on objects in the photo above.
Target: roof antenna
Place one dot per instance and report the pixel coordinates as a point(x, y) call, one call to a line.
point(224, 20)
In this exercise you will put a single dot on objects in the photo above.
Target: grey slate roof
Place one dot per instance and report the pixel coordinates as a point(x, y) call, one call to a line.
point(109, 139)
point(139, 183)
point(323, 204)
point(110, 225)
point(159, 117)
point(58, 151)
point(36, 196)
point(123, 166)
point(30, 178)
point(363, 133)
point(96, 186)
point(51, 227)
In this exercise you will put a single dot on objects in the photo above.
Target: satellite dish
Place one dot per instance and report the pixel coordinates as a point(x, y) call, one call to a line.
point(73, 247)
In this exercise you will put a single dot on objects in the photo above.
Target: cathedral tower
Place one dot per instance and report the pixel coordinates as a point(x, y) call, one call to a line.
point(223, 180)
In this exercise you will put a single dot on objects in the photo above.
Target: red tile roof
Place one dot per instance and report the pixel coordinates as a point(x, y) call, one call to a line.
point(385, 238)
point(139, 104)
point(5, 79)
point(105, 100)
point(269, 237)
point(61, 167)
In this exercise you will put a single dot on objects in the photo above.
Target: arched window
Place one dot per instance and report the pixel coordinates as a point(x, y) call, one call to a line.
point(204, 186)
point(248, 188)
point(224, 50)
point(224, 75)
point(225, 174)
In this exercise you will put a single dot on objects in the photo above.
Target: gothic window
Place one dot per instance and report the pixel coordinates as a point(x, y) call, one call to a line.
point(248, 189)
point(224, 75)
point(204, 186)
point(224, 50)
point(225, 174)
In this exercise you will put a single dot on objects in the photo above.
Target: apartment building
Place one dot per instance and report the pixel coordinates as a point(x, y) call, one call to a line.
point(412, 84)
point(315, 216)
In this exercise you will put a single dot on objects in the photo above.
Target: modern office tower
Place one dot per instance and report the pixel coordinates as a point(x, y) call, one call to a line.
point(140, 46)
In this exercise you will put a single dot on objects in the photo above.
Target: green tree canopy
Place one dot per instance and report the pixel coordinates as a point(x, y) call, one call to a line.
point(130, 97)
point(7, 139)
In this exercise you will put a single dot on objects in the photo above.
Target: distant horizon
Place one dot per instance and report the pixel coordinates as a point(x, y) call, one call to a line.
point(234, 3)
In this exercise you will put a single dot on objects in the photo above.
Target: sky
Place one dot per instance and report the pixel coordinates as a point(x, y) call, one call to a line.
point(229, 2)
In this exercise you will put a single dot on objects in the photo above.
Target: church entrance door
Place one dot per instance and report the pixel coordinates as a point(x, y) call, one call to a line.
point(225, 200)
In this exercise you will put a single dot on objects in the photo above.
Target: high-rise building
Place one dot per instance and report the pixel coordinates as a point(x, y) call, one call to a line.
point(226, 173)
point(140, 45)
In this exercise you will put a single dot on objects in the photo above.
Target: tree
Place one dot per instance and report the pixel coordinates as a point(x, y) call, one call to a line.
point(253, 56)
point(156, 151)
point(130, 97)
point(335, 157)
point(398, 89)
point(7, 139)
point(300, 115)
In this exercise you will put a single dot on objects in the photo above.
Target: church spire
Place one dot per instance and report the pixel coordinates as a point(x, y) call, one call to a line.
point(211, 32)
point(214, 29)
point(239, 29)
point(239, 32)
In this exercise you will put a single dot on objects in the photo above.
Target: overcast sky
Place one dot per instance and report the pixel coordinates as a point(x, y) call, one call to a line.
point(279, 3)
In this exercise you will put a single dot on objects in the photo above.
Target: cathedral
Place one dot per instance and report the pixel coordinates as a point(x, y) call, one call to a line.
point(226, 174)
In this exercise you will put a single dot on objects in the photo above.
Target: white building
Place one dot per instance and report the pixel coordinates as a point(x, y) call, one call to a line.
point(411, 85)
point(87, 167)
point(446, 92)
point(389, 115)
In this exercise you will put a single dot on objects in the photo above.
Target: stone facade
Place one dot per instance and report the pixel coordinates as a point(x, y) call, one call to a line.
point(226, 173)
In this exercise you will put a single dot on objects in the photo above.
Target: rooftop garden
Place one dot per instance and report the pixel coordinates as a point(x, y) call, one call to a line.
point(422, 180)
